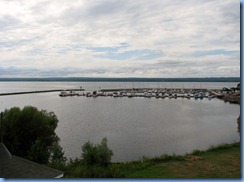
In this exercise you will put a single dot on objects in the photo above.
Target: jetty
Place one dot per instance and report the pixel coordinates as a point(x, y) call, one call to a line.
point(41, 91)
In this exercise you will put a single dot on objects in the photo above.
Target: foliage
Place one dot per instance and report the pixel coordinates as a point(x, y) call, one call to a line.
point(96, 155)
point(238, 124)
point(30, 133)
point(81, 171)
point(165, 157)
point(196, 152)
point(38, 152)
point(222, 147)
point(57, 155)
point(164, 166)
point(94, 162)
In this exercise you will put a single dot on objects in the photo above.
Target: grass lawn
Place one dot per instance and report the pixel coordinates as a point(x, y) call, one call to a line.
point(223, 162)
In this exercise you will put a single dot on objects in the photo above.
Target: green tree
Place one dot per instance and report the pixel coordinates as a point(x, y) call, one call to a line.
point(96, 155)
point(104, 153)
point(57, 155)
point(238, 124)
point(89, 154)
point(30, 133)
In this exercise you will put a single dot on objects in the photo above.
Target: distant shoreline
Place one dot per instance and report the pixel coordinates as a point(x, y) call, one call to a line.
point(129, 79)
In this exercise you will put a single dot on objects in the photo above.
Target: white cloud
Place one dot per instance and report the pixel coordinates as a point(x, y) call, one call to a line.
point(146, 38)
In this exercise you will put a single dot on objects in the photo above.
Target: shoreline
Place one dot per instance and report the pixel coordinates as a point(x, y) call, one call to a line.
point(209, 163)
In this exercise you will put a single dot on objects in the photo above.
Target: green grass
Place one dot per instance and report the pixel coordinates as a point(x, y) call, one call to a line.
point(217, 162)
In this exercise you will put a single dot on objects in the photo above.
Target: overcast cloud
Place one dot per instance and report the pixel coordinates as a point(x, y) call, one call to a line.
point(120, 38)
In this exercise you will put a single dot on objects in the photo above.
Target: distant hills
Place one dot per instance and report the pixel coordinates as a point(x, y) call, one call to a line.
point(129, 79)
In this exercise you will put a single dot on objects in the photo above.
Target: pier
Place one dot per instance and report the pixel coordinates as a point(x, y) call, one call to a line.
point(40, 91)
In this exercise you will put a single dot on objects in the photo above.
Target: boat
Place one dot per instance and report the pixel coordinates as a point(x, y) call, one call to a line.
point(129, 95)
point(163, 96)
point(88, 94)
point(72, 93)
point(199, 96)
point(188, 96)
point(175, 95)
point(63, 94)
point(148, 94)
point(115, 94)
point(156, 95)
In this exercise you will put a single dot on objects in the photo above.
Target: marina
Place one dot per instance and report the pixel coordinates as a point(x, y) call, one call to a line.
point(160, 93)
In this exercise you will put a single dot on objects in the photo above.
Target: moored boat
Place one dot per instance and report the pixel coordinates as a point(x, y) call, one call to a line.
point(63, 94)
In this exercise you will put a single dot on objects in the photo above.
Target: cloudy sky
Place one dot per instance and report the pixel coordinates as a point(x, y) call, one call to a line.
point(119, 38)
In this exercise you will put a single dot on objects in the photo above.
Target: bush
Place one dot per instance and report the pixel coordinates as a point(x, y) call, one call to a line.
point(81, 171)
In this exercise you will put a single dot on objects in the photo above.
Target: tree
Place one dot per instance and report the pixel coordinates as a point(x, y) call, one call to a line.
point(238, 125)
point(104, 153)
point(57, 155)
point(96, 155)
point(30, 133)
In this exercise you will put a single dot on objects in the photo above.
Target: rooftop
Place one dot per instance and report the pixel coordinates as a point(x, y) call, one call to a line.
point(16, 167)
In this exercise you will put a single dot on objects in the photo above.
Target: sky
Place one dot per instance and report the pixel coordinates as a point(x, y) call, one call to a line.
point(120, 38)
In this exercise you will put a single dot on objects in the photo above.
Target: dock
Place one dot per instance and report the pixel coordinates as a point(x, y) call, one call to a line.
point(152, 89)
point(188, 93)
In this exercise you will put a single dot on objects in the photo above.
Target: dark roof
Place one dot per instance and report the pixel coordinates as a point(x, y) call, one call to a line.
point(17, 167)
point(4, 153)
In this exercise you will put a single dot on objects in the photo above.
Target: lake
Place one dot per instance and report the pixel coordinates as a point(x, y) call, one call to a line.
point(134, 127)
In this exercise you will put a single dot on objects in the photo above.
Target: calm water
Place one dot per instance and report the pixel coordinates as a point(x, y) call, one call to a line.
point(133, 126)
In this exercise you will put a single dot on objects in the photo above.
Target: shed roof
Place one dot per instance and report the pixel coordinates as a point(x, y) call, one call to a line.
point(17, 167)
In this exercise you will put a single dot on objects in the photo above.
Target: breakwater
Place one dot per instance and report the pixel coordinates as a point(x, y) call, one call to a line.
point(40, 91)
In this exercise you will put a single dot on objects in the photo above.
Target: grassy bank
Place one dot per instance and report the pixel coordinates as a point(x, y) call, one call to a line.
point(217, 162)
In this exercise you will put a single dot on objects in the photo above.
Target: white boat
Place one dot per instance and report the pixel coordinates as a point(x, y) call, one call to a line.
point(148, 94)
point(63, 94)
point(115, 95)
point(129, 95)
